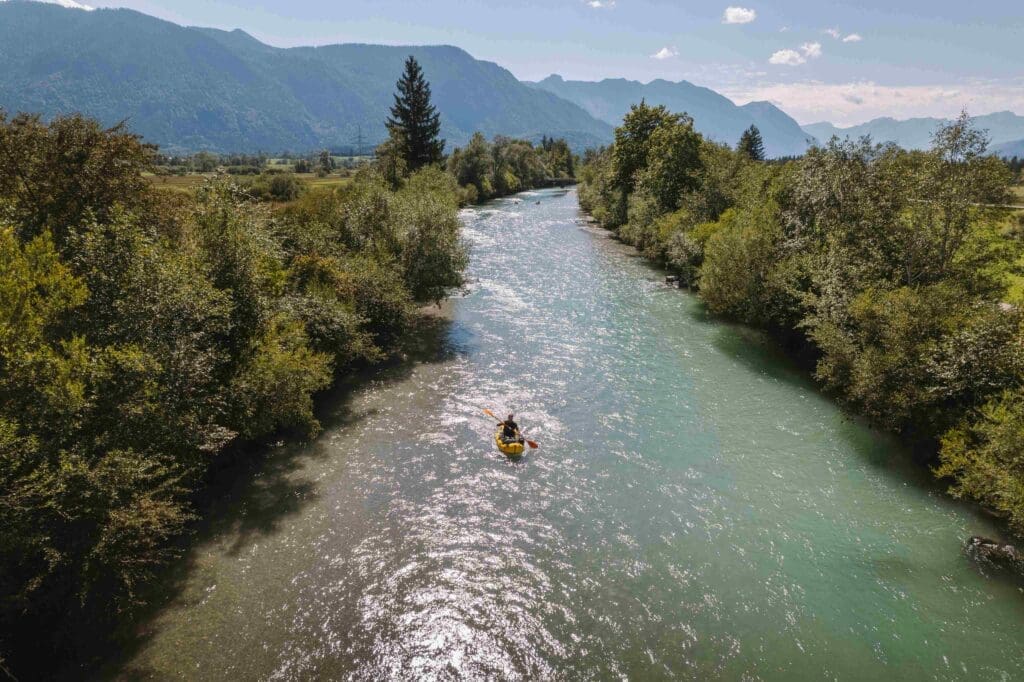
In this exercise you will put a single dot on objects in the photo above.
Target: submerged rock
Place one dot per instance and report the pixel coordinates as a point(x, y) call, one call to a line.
point(995, 552)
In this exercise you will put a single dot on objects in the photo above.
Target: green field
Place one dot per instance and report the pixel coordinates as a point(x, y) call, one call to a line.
point(187, 183)
point(1018, 194)
point(1016, 292)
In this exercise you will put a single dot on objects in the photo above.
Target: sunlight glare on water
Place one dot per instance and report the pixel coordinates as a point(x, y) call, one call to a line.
point(696, 510)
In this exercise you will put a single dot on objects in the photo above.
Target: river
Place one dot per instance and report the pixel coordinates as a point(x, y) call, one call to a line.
point(696, 510)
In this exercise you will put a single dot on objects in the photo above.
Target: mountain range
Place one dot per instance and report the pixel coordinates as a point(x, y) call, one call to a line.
point(190, 89)
point(1005, 130)
point(716, 116)
point(194, 88)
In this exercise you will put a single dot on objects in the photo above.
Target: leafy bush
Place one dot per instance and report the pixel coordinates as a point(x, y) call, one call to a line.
point(143, 335)
point(485, 170)
point(888, 268)
point(275, 186)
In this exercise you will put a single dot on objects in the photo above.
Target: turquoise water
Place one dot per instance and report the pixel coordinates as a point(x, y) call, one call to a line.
point(696, 509)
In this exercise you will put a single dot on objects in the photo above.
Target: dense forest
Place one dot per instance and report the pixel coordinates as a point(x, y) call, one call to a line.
point(893, 273)
point(145, 334)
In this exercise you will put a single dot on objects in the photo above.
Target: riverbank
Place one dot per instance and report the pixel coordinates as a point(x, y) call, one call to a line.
point(871, 261)
point(491, 170)
point(251, 493)
point(925, 454)
point(153, 338)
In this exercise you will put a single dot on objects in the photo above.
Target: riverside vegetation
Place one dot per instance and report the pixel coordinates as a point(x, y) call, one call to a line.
point(888, 270)
point(144, 334)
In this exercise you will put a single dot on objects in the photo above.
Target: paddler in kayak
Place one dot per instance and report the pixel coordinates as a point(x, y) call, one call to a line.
point(508, 438)
point(510, 430)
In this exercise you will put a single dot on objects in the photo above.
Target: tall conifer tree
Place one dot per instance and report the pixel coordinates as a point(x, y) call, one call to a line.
point(414, 123)
point(751, 145)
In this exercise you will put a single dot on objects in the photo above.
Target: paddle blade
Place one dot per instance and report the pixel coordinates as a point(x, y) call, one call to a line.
point(490, 414)
point(533, 444)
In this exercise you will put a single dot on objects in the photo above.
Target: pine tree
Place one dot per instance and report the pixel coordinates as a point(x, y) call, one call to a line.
point(751, 145)
point(414, 123)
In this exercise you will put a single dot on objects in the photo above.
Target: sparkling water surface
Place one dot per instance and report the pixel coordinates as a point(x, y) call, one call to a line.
point(697, 510)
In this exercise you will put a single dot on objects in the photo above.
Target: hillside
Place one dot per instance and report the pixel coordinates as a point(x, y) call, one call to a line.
point(193, 88)
point(916, 133)
point(715, 116)
point(1010, 149)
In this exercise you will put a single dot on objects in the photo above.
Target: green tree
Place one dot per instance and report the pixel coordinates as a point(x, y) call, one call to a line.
point(983, 457)
point(674, 162)
point(433, 255)
point(738, 258)
point(56, 176)
point(474, 165)
point(631, 150)
point(415, 124)
point(751, 145)
point(326, 163)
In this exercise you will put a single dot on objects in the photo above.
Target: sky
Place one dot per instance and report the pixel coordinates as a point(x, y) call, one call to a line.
point(844, 62)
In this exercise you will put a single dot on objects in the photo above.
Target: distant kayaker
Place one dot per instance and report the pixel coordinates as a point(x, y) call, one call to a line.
point(510, 430)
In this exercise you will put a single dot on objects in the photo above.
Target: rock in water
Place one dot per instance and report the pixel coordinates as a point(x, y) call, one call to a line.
point(1000, 553)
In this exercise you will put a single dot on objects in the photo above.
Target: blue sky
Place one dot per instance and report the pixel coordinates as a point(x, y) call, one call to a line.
point(841, 61)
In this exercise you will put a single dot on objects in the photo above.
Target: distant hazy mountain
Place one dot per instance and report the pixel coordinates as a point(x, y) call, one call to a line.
point(715, 116)
point(1010, 149)
point(194, 88)
point(916, 133)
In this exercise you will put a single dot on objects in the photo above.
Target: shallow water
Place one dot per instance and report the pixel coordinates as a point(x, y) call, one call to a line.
point(696, 511)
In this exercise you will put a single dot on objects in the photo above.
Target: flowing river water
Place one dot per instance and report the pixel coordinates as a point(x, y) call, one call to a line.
point(697, 510)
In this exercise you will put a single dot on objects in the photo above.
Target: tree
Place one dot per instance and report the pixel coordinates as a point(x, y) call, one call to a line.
point(738, 257)
point(326, 163)
point(56, 176)
point(631, 149)
point(673, 162)
point(751, 145)
point(414, 123)
point(474, 165)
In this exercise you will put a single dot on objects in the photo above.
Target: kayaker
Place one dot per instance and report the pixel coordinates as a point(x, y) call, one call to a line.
point(510, 430)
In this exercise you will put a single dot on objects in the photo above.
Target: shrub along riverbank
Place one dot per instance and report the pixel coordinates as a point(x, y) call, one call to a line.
point(887, 269)
point(488, 170)
point(143, 334)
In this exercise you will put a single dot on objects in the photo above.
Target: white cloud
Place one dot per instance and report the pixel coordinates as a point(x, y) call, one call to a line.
point(665, 53)
point(70, 4)
point(838, 35)
point(738, 15)
point(847, 104)
point(787, 58)
point(600, 4)
point(796, 57)
point(811, 50)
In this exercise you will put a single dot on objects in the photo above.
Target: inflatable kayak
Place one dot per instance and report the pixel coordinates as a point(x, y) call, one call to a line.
point(508, 448)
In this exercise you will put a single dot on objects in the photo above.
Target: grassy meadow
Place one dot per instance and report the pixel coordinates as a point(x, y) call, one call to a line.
point(188, 183)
